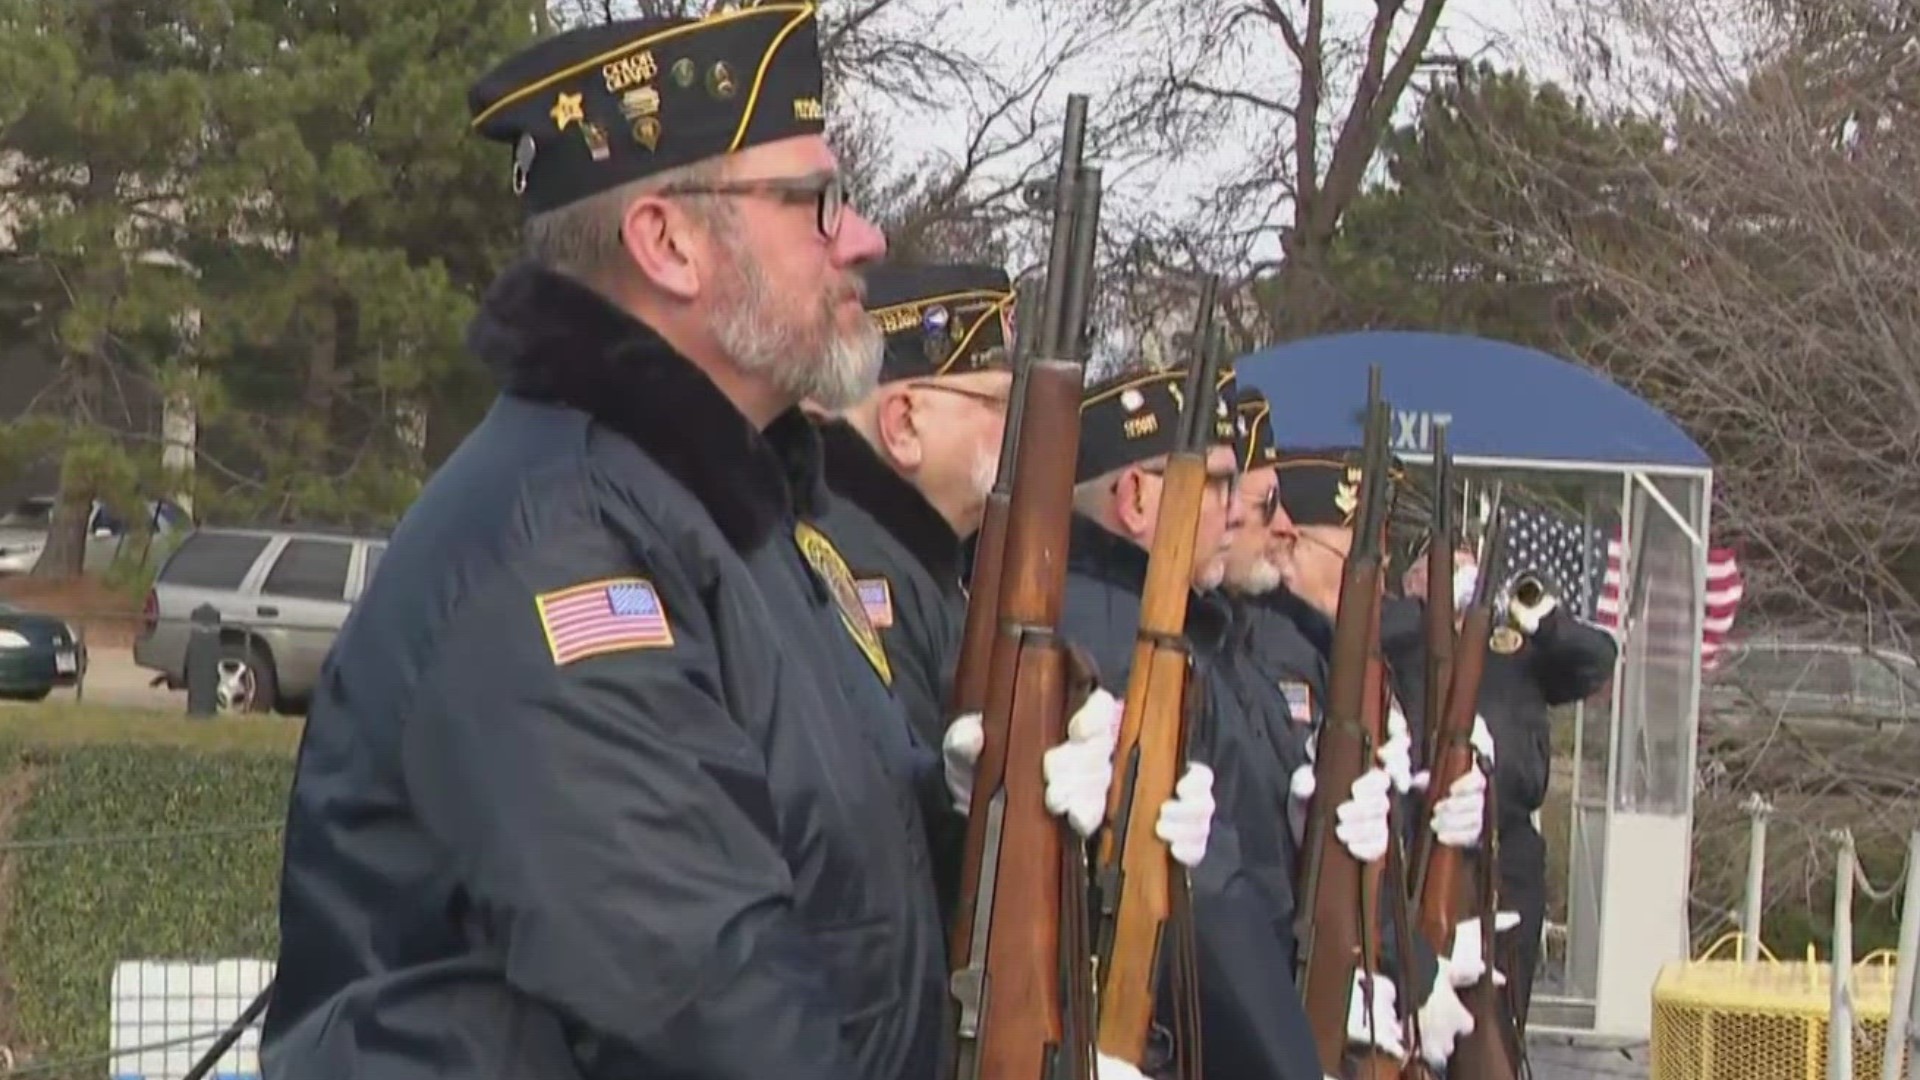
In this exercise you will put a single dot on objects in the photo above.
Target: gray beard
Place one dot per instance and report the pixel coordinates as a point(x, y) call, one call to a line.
point(834, 374)
point(1259, 579)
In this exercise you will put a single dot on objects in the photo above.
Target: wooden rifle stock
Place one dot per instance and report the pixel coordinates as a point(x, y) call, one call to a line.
point(969, 691)
point(1021, 978)
point(1447, 890)
point(1136, 876)
point(1335, 917)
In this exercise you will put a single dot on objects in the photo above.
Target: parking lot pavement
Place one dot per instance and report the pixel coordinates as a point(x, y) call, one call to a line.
point(114, 679)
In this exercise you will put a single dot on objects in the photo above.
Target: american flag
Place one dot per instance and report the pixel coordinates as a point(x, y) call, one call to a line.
point(1590, 573)
point(601, 617)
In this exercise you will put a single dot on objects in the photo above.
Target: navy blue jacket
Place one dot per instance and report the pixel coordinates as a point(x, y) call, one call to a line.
point(596, 783)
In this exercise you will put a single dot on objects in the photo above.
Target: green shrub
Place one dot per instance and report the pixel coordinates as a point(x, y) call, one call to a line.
point(184, 861)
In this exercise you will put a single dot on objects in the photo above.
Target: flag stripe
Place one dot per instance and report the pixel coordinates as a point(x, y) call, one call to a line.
point(603, 617)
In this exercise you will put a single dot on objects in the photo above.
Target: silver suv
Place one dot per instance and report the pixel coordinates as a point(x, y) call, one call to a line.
point(282, 596)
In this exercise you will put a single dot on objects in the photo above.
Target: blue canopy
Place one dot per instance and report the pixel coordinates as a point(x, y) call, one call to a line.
point(1504, 400)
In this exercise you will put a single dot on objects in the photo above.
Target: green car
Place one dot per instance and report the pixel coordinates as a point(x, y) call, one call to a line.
point(37, 653)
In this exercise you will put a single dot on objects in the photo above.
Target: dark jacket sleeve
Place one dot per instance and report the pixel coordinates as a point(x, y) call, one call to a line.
point(1253, 1022)
point(614, 831)
point(1571, 659)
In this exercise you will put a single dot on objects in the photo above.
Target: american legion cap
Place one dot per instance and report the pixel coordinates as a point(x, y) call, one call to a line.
point(600, 106)
point(1135, 416)
point(941, 319)
point(1257, 449)
point(1321, 485)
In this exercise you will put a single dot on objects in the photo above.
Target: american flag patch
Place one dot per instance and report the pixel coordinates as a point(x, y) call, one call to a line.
point(1299, 701)
point(599, 617)
point(877, 597)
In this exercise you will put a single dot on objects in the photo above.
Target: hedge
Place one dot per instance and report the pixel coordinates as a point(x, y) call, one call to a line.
point(72, 908)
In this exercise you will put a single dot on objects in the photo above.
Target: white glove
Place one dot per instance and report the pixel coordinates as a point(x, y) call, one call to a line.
point(1382, 1029)
point(959, 754)
point(1464, 579)
point(1529, 618)
point(1186, 820)
point(1443, 1019)
point(1396, 754)
point(1459, 817)
point(1482, 738)
point(1482, 742)
point(1073, 769)
point(1112, 1068)
point(1464, 966)
point(1361, 821)
point(1080, 770)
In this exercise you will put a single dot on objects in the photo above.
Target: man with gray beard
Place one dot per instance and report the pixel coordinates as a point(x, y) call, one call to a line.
point(599, 781)
point(1281, 638)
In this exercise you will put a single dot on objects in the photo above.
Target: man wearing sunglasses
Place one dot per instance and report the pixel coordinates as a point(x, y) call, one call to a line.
point(1280, 637)
point(600, 781)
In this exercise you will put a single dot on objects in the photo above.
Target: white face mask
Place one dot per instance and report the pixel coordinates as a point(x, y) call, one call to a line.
point(1464, 579)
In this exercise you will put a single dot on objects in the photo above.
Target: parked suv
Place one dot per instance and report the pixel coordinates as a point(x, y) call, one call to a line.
point(282, 594)
point(23, 532)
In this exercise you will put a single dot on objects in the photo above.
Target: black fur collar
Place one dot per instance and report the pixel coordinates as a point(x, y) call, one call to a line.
point(548, 338)
point(1121, 563)
point(1316, 627)
point(856, 472)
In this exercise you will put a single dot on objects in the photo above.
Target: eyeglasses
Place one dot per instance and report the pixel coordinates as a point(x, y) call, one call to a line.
point(998, 401)
point(826, 191)
point(1224, 484)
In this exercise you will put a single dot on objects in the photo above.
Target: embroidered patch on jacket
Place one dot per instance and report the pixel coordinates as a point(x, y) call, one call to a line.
point(606, 616)
point(876, 595)
point(826, 562)
point(1299, 700)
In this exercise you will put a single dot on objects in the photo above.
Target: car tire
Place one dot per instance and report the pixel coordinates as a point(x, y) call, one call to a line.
point(27, 695)
point(247, 665)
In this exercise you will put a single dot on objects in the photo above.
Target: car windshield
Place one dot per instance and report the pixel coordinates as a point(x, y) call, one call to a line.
point(29, 513)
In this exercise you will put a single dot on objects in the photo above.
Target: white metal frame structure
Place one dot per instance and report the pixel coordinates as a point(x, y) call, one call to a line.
point(1522, 414)
point(1630, 824)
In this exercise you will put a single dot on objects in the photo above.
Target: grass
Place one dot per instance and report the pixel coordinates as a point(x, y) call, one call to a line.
point(151, 836)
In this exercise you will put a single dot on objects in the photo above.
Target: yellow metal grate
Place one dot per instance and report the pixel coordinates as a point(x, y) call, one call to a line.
point(1716, 1019)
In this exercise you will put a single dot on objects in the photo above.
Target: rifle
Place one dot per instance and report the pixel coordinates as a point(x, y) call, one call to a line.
point(1446, 889)
point(1136, 877)
point(1337, 927)
point(969, 690)
point(1439, 613)
point(1021, 977)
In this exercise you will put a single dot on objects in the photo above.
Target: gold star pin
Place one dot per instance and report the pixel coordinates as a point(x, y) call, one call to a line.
point(567, 110)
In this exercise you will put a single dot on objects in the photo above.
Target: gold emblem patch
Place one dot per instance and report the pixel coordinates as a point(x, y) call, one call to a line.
point(1505, 641)
point(827, 563)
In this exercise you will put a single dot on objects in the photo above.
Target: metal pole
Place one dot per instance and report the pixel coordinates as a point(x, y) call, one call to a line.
point(1840, 1013)
point(1757, 811)
point(1892, 1054)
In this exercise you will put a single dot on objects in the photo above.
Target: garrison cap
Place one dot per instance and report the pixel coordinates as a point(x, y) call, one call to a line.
point(1135, 416)
point(1257, 449)
point(945, 319)
point(600, 106)
point(1322, 486)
